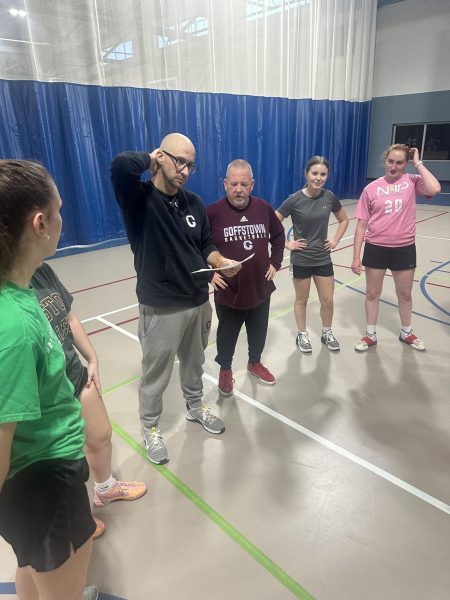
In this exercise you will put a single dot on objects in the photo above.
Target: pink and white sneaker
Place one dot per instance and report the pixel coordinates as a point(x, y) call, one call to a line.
point(121, 490)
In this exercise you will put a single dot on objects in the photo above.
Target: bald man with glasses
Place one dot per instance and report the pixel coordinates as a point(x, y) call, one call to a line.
point(170, 238)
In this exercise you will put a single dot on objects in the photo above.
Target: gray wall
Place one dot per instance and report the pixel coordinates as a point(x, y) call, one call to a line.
point(411, 82)
point(408, 108)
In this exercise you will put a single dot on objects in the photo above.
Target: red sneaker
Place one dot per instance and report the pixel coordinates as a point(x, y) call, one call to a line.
point(261, 372)
point(226, 382)
point(121, 490)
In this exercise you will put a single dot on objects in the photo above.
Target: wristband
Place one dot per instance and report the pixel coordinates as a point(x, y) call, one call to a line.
point(420, 162)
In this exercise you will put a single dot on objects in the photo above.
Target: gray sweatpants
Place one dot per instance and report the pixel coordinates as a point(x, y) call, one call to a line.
point(165, 332)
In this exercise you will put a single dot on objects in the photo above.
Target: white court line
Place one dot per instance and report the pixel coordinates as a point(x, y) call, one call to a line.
point(430, 237)
point(342, 451)
point(111, 312)
point(119, 329)
point(319, 439)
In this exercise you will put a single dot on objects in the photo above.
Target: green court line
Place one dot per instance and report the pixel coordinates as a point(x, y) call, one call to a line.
point(284, 578)
point(118, 386)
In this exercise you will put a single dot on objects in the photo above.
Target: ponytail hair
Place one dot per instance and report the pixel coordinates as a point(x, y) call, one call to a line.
point(25, 187)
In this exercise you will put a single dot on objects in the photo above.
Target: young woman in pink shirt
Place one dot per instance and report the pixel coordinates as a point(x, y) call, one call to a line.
point(386, 213)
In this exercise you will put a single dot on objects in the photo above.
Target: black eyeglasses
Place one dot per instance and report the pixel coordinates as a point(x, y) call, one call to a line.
point(181, 164)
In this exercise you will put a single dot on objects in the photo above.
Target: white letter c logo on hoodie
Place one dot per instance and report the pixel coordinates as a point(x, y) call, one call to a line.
point(190, 221)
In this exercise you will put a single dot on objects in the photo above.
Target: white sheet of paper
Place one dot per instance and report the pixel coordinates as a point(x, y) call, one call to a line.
point(223, 268)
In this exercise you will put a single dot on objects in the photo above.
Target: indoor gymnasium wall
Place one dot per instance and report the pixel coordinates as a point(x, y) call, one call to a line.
point(411, 76)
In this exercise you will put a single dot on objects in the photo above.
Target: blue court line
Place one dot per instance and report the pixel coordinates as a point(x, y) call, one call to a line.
point(349, 287)
point(424, 290)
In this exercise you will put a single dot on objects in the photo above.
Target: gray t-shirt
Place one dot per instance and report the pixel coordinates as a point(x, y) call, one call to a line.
point(310, 218)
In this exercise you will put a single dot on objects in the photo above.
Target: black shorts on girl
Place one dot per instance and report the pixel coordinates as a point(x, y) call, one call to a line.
point(399, 258)
point(45, 512)
point(79, 380)
point(301, 272)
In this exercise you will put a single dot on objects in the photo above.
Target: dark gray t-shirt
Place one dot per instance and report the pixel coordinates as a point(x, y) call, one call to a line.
point(56, 302)
point(310, 218)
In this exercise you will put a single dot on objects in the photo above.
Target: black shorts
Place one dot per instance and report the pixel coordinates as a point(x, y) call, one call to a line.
point(79, 381)
point(400, 258)
point(300, 272)
point(45, 511)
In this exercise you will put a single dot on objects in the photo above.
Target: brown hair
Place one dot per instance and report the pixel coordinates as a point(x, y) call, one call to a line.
point(402, 147)
point(317, 160)
point(25, 186)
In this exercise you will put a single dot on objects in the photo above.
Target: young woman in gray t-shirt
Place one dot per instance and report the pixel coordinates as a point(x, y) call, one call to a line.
point(310, 210)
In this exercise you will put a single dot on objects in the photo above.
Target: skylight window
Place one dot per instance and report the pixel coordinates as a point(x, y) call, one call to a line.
point(122, 51)
point(256, 9)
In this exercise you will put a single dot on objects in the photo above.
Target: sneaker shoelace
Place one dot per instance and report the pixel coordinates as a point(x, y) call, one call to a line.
point(206, 414)
point(156, 438)
point(329, 336)
point(304, 339)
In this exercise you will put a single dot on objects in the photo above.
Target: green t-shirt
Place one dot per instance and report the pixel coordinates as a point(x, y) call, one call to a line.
point(35, 392)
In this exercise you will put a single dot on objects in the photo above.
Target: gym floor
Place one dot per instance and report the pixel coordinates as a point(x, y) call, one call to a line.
point(332, 484)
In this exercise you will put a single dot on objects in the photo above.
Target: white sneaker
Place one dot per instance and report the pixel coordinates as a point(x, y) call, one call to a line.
point(330, 341)
point(370, 339)
point(412, 340)
point(303, 343)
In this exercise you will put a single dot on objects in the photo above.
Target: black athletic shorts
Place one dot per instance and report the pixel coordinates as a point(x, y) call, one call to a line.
point(300, 272)
point(400, 258)
point(79, 381)
point(45, 510)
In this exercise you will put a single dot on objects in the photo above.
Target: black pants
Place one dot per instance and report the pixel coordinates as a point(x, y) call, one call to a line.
point(230, 322)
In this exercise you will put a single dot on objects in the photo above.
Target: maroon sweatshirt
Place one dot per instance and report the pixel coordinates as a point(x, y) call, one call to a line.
point(239, 233)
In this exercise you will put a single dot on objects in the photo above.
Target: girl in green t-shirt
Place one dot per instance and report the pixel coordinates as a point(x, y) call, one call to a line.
point(44, 506)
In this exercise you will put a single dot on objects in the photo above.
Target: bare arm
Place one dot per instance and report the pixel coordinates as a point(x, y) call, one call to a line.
point(294, 244)
point(357, 244)
point(86, 349)
point(430, 183)
point(6, 437)
point(342, 218)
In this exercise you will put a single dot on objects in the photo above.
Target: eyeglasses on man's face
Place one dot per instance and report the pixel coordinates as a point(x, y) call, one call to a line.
point(181, 164)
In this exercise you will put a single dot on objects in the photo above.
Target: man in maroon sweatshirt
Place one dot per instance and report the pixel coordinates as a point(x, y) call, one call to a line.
point(242, 225)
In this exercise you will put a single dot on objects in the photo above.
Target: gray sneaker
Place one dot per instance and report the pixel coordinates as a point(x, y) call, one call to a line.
point(303, 343)
point(90, 592)
point(330, 341)
point(156, 449)
point(206, 419)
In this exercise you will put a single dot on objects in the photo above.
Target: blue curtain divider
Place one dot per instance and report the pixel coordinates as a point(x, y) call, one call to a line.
point(75, 130)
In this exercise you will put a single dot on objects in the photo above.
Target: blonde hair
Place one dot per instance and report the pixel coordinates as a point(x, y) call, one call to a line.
point(402, 147)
